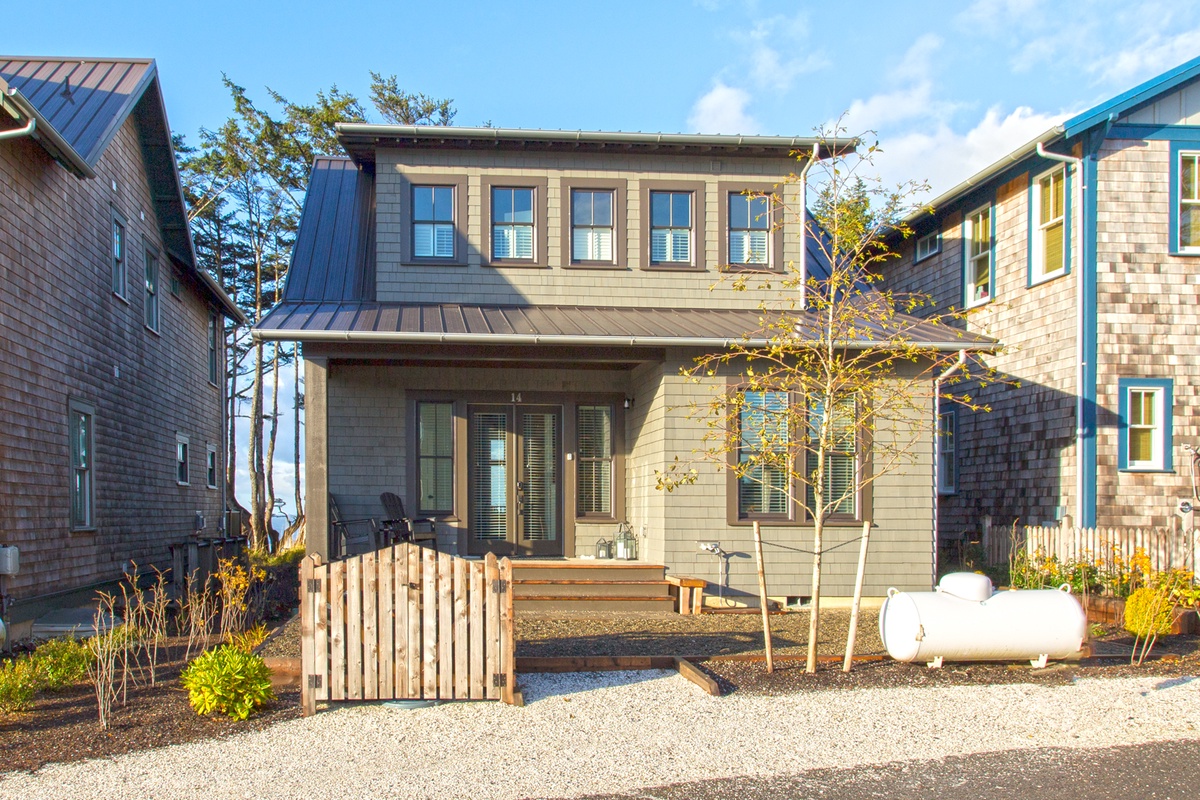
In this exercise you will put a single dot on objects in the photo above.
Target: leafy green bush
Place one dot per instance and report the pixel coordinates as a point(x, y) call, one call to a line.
point(229, 681)
point(1148, 612)
point(284, 558)
point(249, 639)
point(60, 663)
point(18, 683)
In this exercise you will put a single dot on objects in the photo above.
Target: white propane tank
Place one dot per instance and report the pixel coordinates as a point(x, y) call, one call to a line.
point(964, 620)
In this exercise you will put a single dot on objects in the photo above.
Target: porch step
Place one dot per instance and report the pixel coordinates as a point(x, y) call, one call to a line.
point(586, 585)
point(523, 588)
point(568, 603)
point(587, 570)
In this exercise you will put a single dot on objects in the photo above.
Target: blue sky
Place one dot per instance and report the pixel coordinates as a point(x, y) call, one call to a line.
point(948, 87)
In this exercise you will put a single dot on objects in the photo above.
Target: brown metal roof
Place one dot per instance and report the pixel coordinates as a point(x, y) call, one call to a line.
point(549, 325)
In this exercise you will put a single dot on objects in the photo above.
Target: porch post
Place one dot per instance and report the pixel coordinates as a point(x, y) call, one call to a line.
point(316, 456)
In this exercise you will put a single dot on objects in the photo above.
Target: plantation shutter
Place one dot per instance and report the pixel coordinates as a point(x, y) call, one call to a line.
point(489, 466)
point(436, 455)
point(594, 464)
point(841, 463)
point(540, 479)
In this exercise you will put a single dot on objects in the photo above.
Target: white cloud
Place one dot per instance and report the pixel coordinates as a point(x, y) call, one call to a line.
point(722, 110)
point(769, 45)
point(991, 15)
point(1153, 54)
point(917, 63)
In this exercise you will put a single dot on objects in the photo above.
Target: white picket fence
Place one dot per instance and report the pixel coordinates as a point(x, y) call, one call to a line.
point(1166, 549)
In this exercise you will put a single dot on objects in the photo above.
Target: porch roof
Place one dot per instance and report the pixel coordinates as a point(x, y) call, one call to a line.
point(446, 323)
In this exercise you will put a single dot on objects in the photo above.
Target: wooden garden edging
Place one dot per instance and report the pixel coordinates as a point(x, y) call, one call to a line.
point(406, 623)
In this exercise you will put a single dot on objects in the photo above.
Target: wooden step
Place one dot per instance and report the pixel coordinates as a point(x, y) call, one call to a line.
point(587, 570)
point(526, 587)
point(568, 603)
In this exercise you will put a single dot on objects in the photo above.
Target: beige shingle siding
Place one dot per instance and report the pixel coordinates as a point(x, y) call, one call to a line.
point(1147, 321)
point(62, 334)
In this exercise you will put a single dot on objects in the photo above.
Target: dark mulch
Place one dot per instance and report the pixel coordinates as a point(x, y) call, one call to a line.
point(64, 726)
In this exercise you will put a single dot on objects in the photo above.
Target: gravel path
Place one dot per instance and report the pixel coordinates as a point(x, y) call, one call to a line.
point(592, 733)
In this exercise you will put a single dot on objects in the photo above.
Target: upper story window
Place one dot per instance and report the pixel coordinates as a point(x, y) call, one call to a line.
point(592, 225)
point(182, 476)
point(1145, 414)
point(512, 224)
point(79, 425)
point(117, 251)
point(749, 229)
point(670, 227)
point(151, 307)
point(433, 221)
point(210, 466)
point(214, 349)
point(927, 245)
point(978, 250)
point(1048, 248)
point(947, 460)
point(1189, 202)
point(762, 454)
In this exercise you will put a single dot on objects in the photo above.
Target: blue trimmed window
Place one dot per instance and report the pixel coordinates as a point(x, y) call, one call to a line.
point(1185, 199)
point(1145, 420)
point(927, 245)
point(979, 247)
point(947, 457)
point(1049, 225)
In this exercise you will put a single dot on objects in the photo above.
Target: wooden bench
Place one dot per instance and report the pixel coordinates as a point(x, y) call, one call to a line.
point(690, 592)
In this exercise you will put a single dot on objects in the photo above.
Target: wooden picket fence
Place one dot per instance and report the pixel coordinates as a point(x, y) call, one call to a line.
point(1166, 548)
point(406, 623)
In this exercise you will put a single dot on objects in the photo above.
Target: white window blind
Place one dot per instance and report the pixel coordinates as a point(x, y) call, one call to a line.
point(594, 460)
point(671, 227)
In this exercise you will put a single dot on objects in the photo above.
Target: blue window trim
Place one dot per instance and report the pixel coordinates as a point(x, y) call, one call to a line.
point(942, 489)
point(1068, 171)
point(1177, 148)
point(968, 301)
point(937, 247)
point(1168, 388)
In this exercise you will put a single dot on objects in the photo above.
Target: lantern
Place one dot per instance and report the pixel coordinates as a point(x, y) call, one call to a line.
point(625, 542)
point(604, 549)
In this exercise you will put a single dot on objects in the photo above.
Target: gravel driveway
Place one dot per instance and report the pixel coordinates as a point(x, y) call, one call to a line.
point(593, 733)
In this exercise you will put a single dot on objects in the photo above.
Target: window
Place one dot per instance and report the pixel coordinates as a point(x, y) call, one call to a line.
point(1048, 248)
point(592, 225)
point(435, 456)
point(762, 472)
point(118, 254)
point(433, 221)
point(210, 466)
point(1189, 202)
point(749, 229)
point(927, 245)
point(947, 462)
point(80, 429)
point(841, 462)
point(176, 285)
point(670, 227)
point(977, 236)
point(1144, 409)
point(151, 310)
point(181, 459)
point(214, 349)
point(512, 224)
point(594, 461)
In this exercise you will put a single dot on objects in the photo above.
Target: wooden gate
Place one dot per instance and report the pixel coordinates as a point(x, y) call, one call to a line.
point(406, 623)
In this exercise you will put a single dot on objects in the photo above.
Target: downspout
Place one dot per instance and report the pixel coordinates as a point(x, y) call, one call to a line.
point(28, 130)
point(937, 461)
point(1080, 364)
point(812, 157)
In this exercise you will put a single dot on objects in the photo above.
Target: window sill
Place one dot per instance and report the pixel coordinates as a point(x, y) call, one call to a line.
point(210, 486)
point(672, 268)
point(947, 492)
point(1038, 281)
point(514, 263)
point(433, 262)
point(926, 257)
point(767, 269)
point(120, 297)
point(1157, 470)
point(91, 529)
point(983, 301)
point(596, 265)
point(157, 335)
point(181, 483)
point(1189, 253)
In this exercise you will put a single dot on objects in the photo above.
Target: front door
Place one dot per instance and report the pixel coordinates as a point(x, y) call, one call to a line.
point(515, 480)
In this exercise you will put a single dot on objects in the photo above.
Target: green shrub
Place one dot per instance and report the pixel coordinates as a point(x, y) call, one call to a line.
point(60, 663)
point(229, 681)
point(18, 682)
point(1148, 612)
point(284, 558)
point(249, 639)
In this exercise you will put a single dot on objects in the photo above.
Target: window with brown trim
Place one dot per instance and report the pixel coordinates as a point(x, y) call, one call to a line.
point(593, 224)
point(672, 225)
point(434, 208)
point(752, 237)
point(435, 457)
point(514, 221)
point(763, 479)
point(594, 461)
point(840, 484)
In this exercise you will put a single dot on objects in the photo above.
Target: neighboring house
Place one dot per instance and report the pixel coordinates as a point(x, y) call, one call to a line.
point(111, 363)
point(494, 323)
point(1083, 264)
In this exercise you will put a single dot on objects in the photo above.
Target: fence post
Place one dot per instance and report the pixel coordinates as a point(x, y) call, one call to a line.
point(308, 656)
point(508, 645)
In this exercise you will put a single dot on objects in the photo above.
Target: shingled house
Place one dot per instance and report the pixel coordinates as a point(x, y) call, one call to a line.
point(111, 363)
point(494, 323)
point(1078, 250)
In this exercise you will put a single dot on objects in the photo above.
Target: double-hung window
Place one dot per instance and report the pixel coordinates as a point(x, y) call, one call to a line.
point(1048, 253)
point(512, 224)
point(927, 245)
point(151, 309)
point(947, 460)
point(977, 236)
point(670, 228)
point(1189, 202)
point(181, 460)
point(80, 429)
point(210, 466)
point(214, 349)
point(592, 225)
point(594, 461)
point(117, 253)
point(763, 452)
point(839, 487)
point(433, 221)
point(1144, 409)
point(435, 457)
point(749, 229)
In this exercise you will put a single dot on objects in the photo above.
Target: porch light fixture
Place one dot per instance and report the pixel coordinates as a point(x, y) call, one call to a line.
point(629, 402)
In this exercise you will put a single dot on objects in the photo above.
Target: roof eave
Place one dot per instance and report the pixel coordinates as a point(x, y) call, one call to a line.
point(1142, 93)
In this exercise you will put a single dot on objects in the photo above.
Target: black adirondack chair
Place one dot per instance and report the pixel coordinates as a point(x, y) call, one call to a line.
point(352, 536)
point(397, 526)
